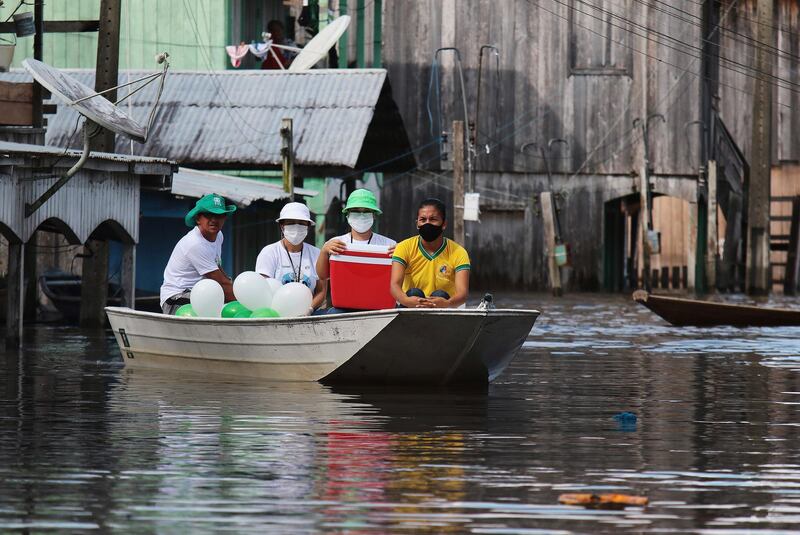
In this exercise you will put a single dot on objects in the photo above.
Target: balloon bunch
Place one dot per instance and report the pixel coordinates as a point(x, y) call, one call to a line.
point(256, 297)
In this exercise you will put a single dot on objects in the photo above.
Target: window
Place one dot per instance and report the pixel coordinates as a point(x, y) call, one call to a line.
point(599, 39)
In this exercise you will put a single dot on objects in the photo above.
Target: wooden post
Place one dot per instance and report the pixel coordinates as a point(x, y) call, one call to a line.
point(549, 220)
point(712, 244)
point(644, 224)
point(691, 246)
point(758, 195)
point(792, 275)
point(344, 38)
point(458, 182)
point(38, 37)
point(107, 70)
point(287, 156)
point(128, 275)
point(15, 294)
point(94, 284)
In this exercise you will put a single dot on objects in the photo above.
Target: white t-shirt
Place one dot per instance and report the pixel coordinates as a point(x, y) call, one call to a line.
point(376, 239)
point(192, 257)
point(273, 261)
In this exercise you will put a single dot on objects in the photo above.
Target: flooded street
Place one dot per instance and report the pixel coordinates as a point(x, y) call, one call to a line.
point(87, 445)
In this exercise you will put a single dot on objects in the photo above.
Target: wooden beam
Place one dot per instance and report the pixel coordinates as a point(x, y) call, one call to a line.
point(59, 26)
point(128, 275)
point(287, 156)
point(644, 224)
point(458, 182)
point(549, 219)
point(94, 284)
point(712, 244)
point(758, 205)
point(792, 274)
point(15, 298)
point(107, 70)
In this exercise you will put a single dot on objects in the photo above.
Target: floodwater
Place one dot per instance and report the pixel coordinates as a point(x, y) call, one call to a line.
point(88, 446)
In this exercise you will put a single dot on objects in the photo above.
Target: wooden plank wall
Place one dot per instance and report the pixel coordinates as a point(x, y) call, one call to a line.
point(536, 95)
point(736, 93)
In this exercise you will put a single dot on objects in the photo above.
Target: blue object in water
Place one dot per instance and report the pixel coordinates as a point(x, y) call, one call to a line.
point(625, 417)
point(626, 421)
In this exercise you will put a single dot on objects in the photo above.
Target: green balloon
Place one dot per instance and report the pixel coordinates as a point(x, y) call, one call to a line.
point(186, 311)
point(264, 313)
point(230, 310)
point(243, 314)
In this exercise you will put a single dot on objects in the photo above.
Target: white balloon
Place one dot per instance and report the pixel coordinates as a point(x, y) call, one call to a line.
point(292, 300)
point(252, 290)
point(207, 298)
point(274, 284)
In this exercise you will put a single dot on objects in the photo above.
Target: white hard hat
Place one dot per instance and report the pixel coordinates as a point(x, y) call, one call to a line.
point(295, 210)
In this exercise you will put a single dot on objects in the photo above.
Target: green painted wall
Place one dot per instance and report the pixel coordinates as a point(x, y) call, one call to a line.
point(194, 32)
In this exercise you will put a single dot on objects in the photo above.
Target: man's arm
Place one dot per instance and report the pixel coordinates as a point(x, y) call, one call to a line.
point(224, 281)
point(460, 297)
point(320, 292)
point(396, 288)
point(332, 246)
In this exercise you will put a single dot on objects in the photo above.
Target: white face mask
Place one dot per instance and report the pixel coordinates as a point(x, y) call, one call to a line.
point(360, 222)
point(295, 233)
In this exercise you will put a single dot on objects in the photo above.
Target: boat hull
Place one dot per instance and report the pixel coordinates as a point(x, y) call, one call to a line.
point(381, 347)
point(694, 313)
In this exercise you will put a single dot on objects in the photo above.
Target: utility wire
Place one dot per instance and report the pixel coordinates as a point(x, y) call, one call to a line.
point(750, 41)
point(651, 56)
point(778, 79)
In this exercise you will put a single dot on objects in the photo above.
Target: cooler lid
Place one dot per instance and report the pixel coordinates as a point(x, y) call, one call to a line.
point(367, 248)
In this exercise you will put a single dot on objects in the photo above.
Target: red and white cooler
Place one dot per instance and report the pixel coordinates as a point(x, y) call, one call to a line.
point(360, 277)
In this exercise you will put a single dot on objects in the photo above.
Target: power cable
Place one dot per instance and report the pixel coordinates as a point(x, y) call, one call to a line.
point(682, 51)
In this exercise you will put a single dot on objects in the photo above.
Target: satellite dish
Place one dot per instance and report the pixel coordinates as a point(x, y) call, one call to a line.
point(318, 47)
point(99, 112)
point(80, 97)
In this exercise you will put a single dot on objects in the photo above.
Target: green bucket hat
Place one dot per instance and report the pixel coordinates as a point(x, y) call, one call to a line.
point(362, 198)
point(210, 204)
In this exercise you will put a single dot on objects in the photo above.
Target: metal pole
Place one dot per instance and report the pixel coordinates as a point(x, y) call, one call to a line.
point(343, 38)
point(377, 34)
point(458, 181)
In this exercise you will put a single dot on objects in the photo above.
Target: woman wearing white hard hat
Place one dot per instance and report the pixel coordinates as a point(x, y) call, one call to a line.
point(291, 259)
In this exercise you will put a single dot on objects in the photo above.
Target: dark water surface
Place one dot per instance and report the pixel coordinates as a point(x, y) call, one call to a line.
point(86, 445)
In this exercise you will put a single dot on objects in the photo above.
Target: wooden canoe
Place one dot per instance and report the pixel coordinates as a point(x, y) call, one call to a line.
point(692, 312)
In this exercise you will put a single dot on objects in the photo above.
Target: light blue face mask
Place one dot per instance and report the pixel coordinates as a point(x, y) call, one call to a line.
point(360, 222)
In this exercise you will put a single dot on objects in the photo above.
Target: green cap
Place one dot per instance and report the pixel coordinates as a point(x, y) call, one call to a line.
point(209, 204)
point(362, 198)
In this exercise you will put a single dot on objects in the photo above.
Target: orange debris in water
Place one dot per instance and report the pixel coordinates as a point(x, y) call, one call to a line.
point(603, 501)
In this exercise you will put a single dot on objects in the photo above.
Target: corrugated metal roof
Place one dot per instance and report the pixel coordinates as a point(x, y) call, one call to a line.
point(230, 118)
point(242, 191)
point(8, 147)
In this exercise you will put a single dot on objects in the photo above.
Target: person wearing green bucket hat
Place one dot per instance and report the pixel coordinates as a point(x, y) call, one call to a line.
point(360, 210)
point(198, 254)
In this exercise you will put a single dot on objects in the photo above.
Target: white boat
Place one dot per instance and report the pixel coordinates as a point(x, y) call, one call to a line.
point(395, 346)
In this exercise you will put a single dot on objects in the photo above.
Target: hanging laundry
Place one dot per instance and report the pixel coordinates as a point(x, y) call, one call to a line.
point(236, 53)
point(260, 50)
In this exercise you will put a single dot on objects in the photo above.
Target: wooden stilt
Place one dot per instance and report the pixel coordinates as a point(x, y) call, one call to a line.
point(793, 259)
point(712, 245)
point(94, 284)
point(128, 275)
point(16, 294)
point(549, 219)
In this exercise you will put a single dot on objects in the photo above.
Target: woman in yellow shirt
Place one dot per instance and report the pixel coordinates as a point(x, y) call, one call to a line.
point(430, 271)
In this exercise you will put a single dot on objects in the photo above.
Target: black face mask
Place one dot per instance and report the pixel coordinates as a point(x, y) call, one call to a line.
point(429, 232)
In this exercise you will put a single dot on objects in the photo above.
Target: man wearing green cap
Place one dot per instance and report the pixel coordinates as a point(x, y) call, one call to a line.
point(198, 254)
point(361, 208)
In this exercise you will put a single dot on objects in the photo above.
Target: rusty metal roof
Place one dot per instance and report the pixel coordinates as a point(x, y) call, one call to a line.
point(231, 119)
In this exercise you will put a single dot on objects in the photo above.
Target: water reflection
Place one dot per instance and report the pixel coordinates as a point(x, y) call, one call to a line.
point(87, 445)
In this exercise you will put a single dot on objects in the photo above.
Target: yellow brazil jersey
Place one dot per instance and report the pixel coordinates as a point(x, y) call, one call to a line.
point(431, 272)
